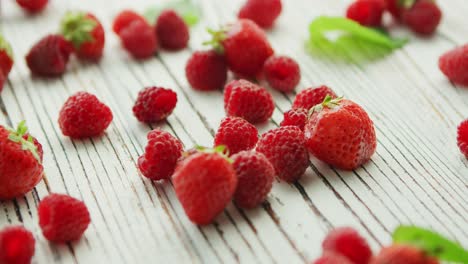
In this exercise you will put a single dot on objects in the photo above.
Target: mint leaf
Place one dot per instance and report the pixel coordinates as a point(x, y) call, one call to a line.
point(432, 243)
point(185, 8)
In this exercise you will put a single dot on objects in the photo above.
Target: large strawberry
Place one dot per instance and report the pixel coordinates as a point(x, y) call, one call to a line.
point(86, 34)
point(20, 162)
point(6, 56)
point(340, 133)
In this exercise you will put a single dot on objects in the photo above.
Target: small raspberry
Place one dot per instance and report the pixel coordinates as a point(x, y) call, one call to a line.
point(312, 96)
point(125, 18)
point(332, 258)
point(349, 243)
point(295, 117)
point(17, 245)
point(423, 17)
point(249, 101)
point(454, 64)
point(366, 12)
point(83, 115)
point(139, 40)
point(282, 73)
point(32, 6)
point(62, 218)
point(255, 178)
point(262, 12)
point(206, 70)
point(403, 254)
point(236, 134)
point(154, 104)
point(462, 138)
point(161, 155)
point(285, 149)
point(171, 30)
point(49, 57)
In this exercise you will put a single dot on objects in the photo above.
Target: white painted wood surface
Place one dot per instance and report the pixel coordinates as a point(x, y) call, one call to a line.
point(417, 175)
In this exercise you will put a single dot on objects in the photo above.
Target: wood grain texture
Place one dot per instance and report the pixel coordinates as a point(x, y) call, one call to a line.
point(417, 175)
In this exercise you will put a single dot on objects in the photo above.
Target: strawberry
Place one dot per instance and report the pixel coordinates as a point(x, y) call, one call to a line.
point(6, 57)
point(49, 57)
point(454, 64)
point(206, 70)
point(262, 12)
point(236, 134)
point(403, 254)
point(340, 133)
point(310, 97)
point(282, 73)
point(124, 18)
point(171, 30)
point(139, 40)
point(423, 17)
point(86, 34)
point(349, 243)
point(17, 245)
point(332, 258)
point(295, 117)
point(154, 104)
point(366, 12)
point(20, 162)
point(32, 6)
point(204, 182)
point(462, 137)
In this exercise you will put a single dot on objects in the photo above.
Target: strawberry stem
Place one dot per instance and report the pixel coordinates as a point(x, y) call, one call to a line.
point(27, 144)
point(4, 45)
point(217, 38)
point(328, 102)
point(77, 28)
point(220, 150)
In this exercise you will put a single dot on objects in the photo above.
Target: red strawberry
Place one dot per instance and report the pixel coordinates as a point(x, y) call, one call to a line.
point(161, 155)
point(285, 149)
point(347, 242)
point(282, 73)
point(423, 17)
point(366, 12)
point(6, 57)
point(20, 162)
point(310, 97)
point(17, 245)
point(332, 258)
point(295, 117)
point(154, 104)
point(83, 115)
point(462, 138)
point(255, 178)
point(124, 19)
point(49, 57)
point(32, 6)
point(86, 34)
point(249, 101)
point(403, 254)
point(340, 133)
point(454, 64)
point(262, 12)
point(204, 184)
point(62, 218)
point(171, 30)
point(206, 70)
point(236, 134)
point(139, 40)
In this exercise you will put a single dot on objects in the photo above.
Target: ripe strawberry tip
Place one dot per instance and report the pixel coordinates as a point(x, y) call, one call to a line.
point(77, 27)
point(26, 144)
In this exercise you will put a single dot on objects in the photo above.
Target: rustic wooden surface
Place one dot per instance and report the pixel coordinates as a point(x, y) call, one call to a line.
point(417, 175)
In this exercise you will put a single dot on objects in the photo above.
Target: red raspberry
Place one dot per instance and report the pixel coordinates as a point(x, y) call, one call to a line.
point(2, 81)
point(161, 155)
point(236, 134)
point(349, 243)
point(204, 184)
point(454, 64)
point(366, 12)
point(394, 7)
point(62, 218)
point(295, 117)
point(17, 245)
point(154, 104)
point(6, 57)
point(49, 57)
point(310, 97)
point(403, 254)
point(32, 6)
point(285, 149)
point(262, 12)
point(83, 115)
point(332, 258)
point(206, 70)
point(255, 178)
point(462, 138)
point(249, 101)
point(171, 30)
point(139, 40)
point(282, 73)
point(125, 18)
point(86, 34)
point(423, 17)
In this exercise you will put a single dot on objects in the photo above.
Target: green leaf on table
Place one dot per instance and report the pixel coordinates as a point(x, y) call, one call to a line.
point(434, 244)
point(185, 8)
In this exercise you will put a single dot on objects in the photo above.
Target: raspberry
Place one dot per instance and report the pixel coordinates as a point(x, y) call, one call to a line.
point(62, 218)
point(249, 101)
point(423, 17)
point(49, 57)
point(332, 258)
point(285, 149)
point(206, 70)
point(154, 104)
point(171, 30)
point(312, 96)
point(83, 115)
point(462, 138)
point(394, 7)
point(366, 12)
point(282, 73)
point(17, 245)
point(139, 40)
point(2, 81)
point(262, 12)
point(403, 254)
point(204, 184)
point(236, 134)
point(255, 178)
point(347, 242)
point(161, 155)
point(454, 64)
point(125, 18)
point(32, 6)
point(295, 117)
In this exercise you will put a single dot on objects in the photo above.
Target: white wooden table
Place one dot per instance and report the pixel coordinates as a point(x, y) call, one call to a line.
point(417, 175)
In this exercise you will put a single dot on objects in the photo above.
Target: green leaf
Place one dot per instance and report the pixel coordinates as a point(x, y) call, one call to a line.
point(185, 8)
point(432, 243)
